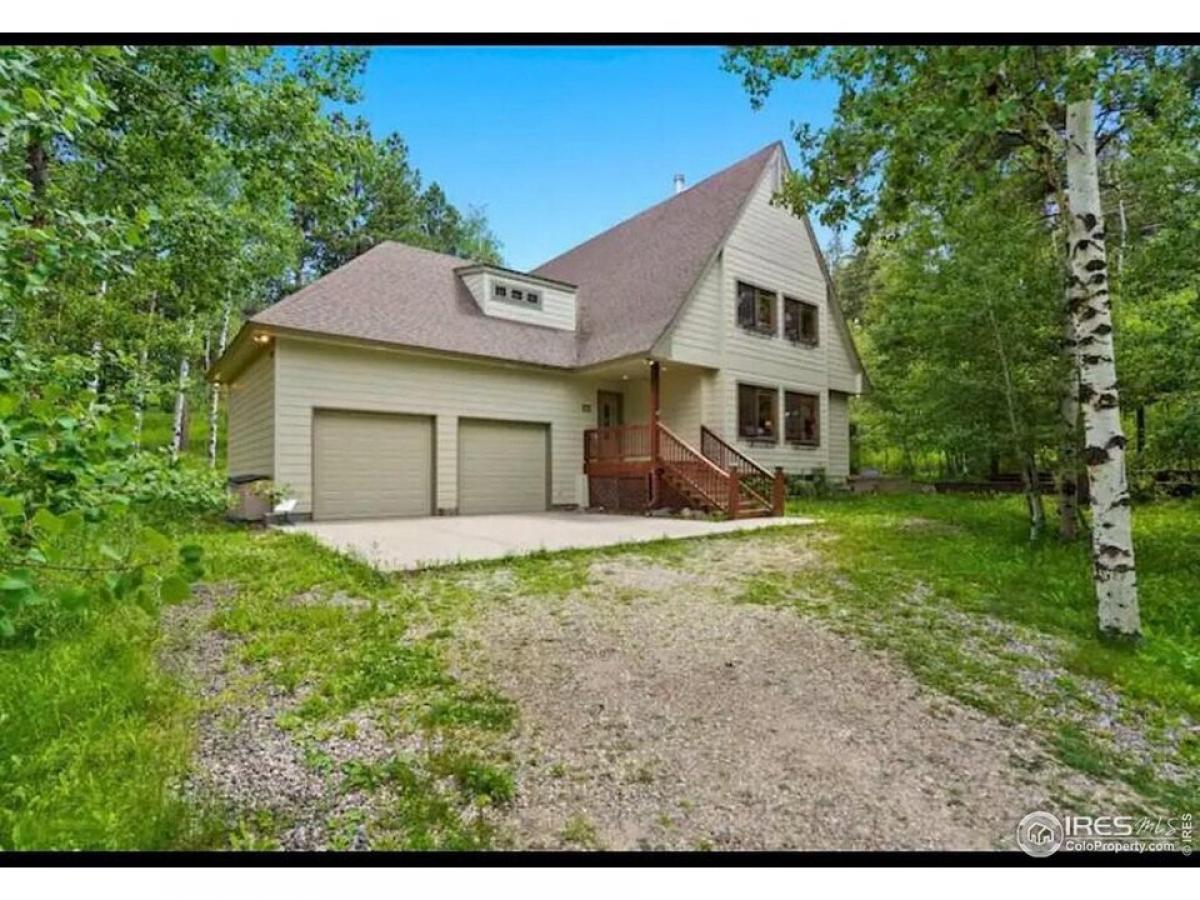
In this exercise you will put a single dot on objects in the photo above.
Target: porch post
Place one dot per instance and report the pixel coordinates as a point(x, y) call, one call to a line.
point(778, 492)
point(654, 436)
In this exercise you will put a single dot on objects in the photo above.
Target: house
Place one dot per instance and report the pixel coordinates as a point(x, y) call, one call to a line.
point(687, 356)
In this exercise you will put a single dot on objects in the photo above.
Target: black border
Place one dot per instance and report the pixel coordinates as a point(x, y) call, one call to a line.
point(578, 858)
point(596, 39)
point(573, 858)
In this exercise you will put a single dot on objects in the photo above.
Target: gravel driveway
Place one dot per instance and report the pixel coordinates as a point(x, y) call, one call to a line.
point(657, 713)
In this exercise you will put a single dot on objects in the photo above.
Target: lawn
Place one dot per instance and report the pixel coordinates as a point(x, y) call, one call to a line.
point(100, 729)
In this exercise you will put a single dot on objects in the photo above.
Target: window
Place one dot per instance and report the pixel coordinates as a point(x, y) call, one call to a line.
point(799, 321)
point(513, 295)
point(758, 413)
point(800, 422)
point(756, 308)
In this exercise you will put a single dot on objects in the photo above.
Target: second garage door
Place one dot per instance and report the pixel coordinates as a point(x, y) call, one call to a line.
point(369, 465)
point(502, 467)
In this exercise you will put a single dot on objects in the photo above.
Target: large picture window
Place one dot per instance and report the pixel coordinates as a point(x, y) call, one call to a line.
point(799, 321)
point(756, 308)
point(758, 413)
point(801, 418)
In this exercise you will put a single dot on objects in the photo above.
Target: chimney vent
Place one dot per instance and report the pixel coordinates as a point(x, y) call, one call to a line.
point(679, 184)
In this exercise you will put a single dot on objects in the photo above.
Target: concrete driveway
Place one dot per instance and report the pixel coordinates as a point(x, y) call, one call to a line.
point(404, 544)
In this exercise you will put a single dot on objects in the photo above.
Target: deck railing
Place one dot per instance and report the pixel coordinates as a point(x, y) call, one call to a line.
point(721, 476)
point(757, 483)
point(617, 443)
point(701, 474)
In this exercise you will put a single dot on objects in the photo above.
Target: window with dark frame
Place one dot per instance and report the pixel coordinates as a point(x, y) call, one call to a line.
point(500, 290)
point(800, 321)
point(756, 308)
point(758, 411)
point(532, 297)
point(801, 423)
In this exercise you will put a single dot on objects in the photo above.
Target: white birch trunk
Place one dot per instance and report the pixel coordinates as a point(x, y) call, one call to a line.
point(142, 377)
point(181, 399)
point(97, 353)
point(1114, 573)
point(214, 404)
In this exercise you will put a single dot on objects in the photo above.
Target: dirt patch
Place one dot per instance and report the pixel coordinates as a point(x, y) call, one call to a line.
point(677, 719)
point(338, 599)
point(245, 760)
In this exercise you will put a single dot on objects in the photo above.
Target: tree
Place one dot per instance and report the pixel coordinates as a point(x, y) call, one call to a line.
point(1104, 443)
point(927, 127)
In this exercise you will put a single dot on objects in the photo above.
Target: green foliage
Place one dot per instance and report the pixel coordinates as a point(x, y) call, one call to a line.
point(93, 737)
point(949, 159)
point(69, 469)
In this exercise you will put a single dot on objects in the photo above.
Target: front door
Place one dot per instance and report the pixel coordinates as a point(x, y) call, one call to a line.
point(610, 409)
point(610, 412)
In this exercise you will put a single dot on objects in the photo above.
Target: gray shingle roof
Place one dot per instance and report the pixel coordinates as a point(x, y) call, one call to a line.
point(632, 279)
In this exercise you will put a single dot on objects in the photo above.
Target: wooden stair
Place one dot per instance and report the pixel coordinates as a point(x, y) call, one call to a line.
point(706, 484)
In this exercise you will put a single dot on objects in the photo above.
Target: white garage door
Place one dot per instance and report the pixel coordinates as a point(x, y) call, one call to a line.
point(368, 465)
point(501, 467)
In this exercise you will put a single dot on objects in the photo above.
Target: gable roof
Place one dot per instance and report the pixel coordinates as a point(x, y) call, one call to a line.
point(634, 277)
point(632, 281)
point(397, 294)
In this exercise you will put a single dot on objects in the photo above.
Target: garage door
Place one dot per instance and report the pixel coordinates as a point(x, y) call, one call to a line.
point(367, 465)
point(501, 467)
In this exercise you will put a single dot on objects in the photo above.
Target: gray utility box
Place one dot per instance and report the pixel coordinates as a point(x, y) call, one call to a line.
point(249, 506)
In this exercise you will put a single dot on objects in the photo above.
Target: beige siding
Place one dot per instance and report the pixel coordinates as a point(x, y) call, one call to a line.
point(697, 334)
point(502, 467)
point(838, 433)
point(557, 309)
point(682, 400)
point(476, 282)
point(325, 375)
point(771, 248)
point(371, 465)
point(252, 419)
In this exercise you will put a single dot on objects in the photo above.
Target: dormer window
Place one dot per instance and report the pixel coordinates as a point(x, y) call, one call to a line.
point(520, 297)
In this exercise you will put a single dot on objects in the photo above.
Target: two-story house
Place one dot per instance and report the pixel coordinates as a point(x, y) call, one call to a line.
point(682, 357)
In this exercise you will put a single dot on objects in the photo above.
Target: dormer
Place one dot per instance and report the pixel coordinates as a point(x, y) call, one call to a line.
point(531, 299)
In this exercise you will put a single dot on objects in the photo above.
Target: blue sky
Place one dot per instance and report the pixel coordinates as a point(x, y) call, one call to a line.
point(557, 144)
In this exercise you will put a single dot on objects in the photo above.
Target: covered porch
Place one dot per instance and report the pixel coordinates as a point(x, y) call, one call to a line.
point(653, 450)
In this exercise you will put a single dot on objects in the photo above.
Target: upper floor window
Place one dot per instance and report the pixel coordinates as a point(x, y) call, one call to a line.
point(800, 418)
point(758, 413)
point(799, 321)
point(515, 295)
point(756, 308)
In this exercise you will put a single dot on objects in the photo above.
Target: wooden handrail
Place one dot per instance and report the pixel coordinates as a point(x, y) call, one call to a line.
point(756, 481)
point(728, 456)
point(687, 463)
point(617, 443)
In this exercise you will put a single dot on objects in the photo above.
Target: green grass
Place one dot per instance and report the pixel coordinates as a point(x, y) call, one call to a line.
point(95, 738)
point(92, 737)
point(158, 427)
point(921, 576)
